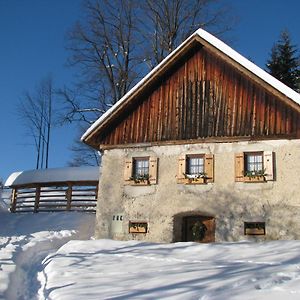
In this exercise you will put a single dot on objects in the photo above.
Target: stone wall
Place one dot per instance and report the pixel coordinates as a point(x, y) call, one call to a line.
point(162, 206)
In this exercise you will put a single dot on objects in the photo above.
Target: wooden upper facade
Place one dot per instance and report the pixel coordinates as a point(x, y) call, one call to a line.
point(200, 94)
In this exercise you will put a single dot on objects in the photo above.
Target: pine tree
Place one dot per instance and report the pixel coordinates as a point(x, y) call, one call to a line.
point(284, 63)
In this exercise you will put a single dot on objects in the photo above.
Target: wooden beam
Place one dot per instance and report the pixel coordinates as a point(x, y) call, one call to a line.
point(69, 196)
point(13, 200)
point(37, 199)
point(230, 139)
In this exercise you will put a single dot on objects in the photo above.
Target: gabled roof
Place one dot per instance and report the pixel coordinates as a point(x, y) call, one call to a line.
point(205, 38)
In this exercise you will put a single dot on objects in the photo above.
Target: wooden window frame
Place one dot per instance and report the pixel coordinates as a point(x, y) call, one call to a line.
point(183, 177)
point(267, 164)
point(188, 166)
point(135, 169)
point(129, 176)
point(254, 228)
point(253, 178)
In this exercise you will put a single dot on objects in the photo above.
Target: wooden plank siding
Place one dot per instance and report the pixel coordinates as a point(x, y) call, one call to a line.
point(202, 96)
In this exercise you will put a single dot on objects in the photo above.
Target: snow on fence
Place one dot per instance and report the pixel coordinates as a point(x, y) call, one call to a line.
point(5, 196)
point(58, 194)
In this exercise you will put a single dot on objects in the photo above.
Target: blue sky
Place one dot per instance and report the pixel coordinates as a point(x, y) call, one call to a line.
point(32, 45)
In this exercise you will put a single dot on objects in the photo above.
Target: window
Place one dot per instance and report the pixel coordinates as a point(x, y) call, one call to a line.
point(195, 169)
point(254, 166)
point(141, 167)
point(195, 165)
point(254, 228)
point(141, 170)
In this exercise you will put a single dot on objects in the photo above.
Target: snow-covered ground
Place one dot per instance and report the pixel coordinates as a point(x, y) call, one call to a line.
point(108, 269)
point(45, 256)
point(26, 239)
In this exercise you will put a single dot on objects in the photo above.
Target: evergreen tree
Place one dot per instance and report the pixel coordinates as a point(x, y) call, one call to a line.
point(284, 63)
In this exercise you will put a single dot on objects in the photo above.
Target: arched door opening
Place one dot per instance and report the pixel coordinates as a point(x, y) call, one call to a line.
point(194, 228)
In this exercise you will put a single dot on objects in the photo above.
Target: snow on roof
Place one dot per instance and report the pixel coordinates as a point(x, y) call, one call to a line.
point(53, 175)
point(221, 46)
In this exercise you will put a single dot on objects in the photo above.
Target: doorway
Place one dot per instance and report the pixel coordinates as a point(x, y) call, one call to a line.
point(198, 229)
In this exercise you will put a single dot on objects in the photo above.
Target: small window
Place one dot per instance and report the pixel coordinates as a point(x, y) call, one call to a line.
point(141, 170)
point(254, 164)
point(254, 228)
point(195, 169)
point(195, 165)
point(141, 167)
point(138, 227)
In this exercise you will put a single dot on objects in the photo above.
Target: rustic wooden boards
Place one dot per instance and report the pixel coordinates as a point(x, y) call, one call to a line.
point(202, 96)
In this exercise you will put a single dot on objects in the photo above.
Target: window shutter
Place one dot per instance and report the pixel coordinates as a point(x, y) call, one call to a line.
point(153, 169)
point(128, 170)
point(268, 165)
point(239, 167)
point(181, 168)
point(209, 167)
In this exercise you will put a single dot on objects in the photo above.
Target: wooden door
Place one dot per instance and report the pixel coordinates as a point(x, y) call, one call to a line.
point(199, 229)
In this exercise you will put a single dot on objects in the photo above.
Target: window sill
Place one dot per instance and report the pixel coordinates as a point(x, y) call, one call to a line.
point(254, 231)
point(254, 179)
point(138, 230)
point(138, 183)
point(195, 181)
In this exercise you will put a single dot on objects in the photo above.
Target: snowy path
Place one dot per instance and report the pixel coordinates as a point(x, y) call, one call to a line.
point(26, 239)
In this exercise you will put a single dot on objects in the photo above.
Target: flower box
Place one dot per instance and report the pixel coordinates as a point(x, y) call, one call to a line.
point(255, 231)
point(138, 227)
point(200, 180)
point(140, 182)
point(195, 178)
point(259, 178)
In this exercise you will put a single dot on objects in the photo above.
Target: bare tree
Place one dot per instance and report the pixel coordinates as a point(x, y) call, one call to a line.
point(84, 155)
point(169, 22)
point(103, 49)
point(36, 110)
point(118, 41)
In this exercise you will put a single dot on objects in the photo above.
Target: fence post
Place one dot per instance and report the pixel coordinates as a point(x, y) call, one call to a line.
point(13, 200)
point(69, 196)
point(96, 191)
point(37, 199)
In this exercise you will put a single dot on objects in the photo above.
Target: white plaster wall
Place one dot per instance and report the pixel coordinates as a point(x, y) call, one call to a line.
point(231, 203)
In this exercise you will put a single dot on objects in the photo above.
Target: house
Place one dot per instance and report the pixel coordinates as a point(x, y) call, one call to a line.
point(205, 148)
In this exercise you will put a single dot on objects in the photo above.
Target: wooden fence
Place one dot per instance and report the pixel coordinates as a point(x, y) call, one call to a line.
point(63, 197)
